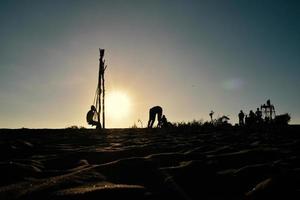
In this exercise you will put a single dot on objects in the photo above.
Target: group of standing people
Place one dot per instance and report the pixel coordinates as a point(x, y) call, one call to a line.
point(252, 118)
point(257, 118)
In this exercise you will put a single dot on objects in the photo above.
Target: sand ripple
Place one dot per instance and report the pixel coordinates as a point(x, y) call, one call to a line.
point(149, 164)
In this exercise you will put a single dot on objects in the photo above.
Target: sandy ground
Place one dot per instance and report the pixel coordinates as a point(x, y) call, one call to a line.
point(150, 164)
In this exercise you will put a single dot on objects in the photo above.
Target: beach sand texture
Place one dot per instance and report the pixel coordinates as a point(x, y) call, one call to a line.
point(149, 164)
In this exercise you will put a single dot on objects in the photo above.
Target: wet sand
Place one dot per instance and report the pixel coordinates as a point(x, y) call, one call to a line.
point(150, 164)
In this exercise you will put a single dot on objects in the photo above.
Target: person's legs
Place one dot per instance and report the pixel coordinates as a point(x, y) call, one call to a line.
point(151, 123)
point(151, 119)
point(159, 114)
point(95, 123)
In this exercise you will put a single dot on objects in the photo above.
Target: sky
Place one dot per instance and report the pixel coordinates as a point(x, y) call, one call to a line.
point(190, 57)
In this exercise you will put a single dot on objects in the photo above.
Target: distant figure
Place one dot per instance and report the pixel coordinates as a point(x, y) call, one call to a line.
point(251, 118)
point(246, 120)
point(268, 102)
point(258, 114)
point(241, 118)
point(90, 117)
point(165, 123)
point(211, 115)
point(156, 110)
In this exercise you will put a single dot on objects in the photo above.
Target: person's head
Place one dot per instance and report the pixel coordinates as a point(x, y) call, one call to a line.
point(93, 108)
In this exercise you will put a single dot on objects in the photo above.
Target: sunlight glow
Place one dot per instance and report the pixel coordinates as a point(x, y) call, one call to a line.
point(117, 105)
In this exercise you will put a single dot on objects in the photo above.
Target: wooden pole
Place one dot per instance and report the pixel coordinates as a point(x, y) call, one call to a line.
point(99, 88)
point(103, 100)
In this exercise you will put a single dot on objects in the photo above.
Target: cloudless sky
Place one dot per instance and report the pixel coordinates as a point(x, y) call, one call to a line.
point(190, 57)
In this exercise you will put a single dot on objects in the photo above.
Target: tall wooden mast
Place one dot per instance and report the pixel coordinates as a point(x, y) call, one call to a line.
point(103, 99)
point(101, 88)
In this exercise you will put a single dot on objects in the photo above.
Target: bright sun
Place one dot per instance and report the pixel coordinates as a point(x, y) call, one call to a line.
point(117, 105)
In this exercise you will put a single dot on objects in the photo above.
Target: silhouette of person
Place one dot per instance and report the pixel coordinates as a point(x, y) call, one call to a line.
point(165, 123)
point(252, 117)
point(269, 103)
point(246, 119)
point(211, 115)
point(90, 117)
point(156, 110)
point(258, 114)
point(241, 118)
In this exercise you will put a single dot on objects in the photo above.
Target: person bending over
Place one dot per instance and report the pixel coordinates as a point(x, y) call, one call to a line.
point(156, 110)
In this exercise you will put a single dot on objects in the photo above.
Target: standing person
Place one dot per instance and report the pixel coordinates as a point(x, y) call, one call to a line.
point(241, 118)
point(156, 110)
point(252, 117)
point(211, 115)
point(90, 117)
point(258, 114)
